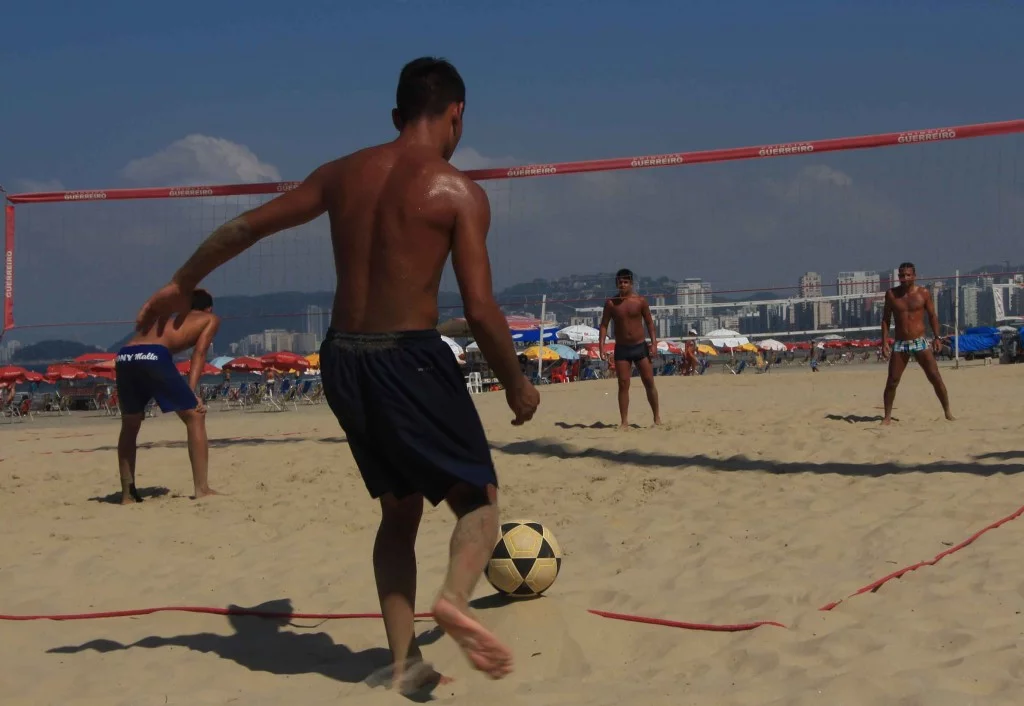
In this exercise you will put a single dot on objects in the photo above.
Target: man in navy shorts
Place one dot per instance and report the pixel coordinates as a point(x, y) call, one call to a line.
point(145, 371)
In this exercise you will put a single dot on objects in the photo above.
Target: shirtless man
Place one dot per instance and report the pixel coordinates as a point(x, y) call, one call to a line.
point(145, 370)
point(397, 210)
point(907, 305)
point(630, 312)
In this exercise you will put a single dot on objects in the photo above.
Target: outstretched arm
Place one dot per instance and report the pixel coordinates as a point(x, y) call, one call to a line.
point(293, 208)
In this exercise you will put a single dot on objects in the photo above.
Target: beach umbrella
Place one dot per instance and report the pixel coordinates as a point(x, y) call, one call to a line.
point(12, 372)
point(65, 372)
point(221, 360)
point(185, 366)
point(87, 359)
point(284, 361)
point(770, 344)
point(545, 353)
point(564, 351)
point(670, 347)
point(244, 364)
point(706, 349)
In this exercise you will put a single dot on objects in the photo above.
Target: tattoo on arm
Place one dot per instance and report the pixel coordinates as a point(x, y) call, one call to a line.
point(226, 242)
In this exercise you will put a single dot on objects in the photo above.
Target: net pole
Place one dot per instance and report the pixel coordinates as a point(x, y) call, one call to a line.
point(8, 315)
point(540, 343)
point(956, 322)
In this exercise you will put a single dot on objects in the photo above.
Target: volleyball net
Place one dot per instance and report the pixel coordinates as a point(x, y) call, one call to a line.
point(742, 221)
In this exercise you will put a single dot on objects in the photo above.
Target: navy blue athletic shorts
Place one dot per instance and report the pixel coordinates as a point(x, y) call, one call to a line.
point(146, 372)
point(410, 421)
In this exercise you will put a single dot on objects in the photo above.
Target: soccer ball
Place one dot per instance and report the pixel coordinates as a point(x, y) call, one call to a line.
point(525, 560)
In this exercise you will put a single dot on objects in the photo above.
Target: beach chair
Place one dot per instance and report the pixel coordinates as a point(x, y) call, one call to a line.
point(559, 373)
point(303, 391)
point(739, 368)
point(290, 394)
point(475, 383)
point(317, 395)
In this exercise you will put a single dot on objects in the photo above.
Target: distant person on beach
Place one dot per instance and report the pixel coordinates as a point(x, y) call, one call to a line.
point(907, 304)
point(397, 212)
point(630, 312)
point(145, 371)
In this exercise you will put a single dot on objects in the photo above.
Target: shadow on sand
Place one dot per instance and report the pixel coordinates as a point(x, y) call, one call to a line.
point(556, 449)
point(261, 644)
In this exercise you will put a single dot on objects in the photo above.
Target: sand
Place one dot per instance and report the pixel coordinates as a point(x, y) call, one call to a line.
point(763, 497)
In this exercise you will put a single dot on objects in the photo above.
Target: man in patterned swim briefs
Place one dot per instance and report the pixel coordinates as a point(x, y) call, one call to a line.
point(907, 305)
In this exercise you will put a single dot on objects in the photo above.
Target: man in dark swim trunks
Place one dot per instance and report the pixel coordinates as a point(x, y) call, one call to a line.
point(907, 305)
point(397, 211)
point(146, 371)
point(630, 311)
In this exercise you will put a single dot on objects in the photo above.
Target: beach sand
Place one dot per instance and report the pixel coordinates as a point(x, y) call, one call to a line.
point(763, 497)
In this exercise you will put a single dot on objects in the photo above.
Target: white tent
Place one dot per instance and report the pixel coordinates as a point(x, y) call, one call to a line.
point(726, 338)
point(770, 344)
point(457, 351)
point(579, 334)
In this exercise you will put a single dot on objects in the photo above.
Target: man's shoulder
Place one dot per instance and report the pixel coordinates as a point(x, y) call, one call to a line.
point(196, 322)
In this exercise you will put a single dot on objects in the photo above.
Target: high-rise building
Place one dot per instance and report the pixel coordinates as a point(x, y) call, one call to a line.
point(810, 284)
point(315, 321)
point(813, 315)
point(859, 310)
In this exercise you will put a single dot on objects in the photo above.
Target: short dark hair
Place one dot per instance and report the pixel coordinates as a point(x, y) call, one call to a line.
point(201, 299)
point(906, 266)
point(426, 87)
point(624, 273)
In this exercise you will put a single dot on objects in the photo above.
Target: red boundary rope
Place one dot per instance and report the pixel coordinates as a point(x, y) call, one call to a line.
point(740, 627)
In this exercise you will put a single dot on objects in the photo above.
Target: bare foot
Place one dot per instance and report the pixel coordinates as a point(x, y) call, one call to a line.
point(624, 426)
point(950, 417)
point(129, 500)
point(206, 492)
point(886, 422)
point(484, 651)
point(657, 421)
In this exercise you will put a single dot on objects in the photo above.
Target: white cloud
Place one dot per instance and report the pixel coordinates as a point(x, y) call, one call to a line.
point(37, 185)
point(466, 158)
point(200, 159)
point(825, 174)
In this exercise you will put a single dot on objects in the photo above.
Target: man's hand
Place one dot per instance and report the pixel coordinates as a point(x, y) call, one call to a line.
point(200, 407)
point(936, 345)
point(523, 400)
point(886, 349)
point(653, 347)
point(169, 300)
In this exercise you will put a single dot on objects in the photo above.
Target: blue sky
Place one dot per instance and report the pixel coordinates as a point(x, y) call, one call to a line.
point(141, 94)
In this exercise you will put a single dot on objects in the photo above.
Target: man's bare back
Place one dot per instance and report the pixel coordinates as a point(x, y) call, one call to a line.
point(178, 334)
point(392, 212)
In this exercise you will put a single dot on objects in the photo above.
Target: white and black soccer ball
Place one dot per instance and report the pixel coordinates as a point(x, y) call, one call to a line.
point(525, 561)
